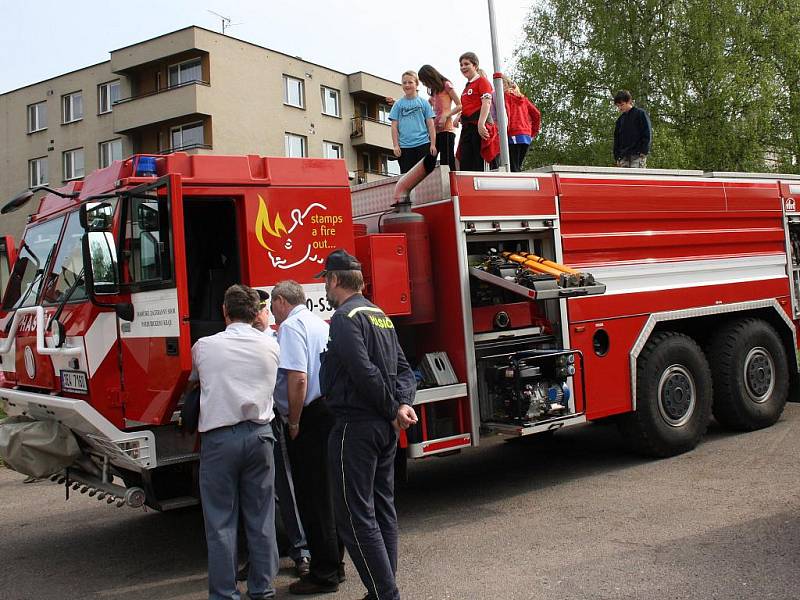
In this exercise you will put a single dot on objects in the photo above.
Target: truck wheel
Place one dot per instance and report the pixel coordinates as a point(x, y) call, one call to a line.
point(751, 376)
point(673, 396)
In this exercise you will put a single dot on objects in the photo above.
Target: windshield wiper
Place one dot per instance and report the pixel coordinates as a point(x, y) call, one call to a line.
point(65, 298)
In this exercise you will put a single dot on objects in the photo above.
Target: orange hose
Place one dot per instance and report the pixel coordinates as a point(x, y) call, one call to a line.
point(550, 263)
point(533, 265)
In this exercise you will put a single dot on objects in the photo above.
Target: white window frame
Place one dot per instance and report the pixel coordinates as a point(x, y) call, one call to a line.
point(68, 107)
point(302, 91)
point(327, 146)
point(337, 99)
point(105, 99)
point(33, 110)
point(391, 159)
point(383, 114)
point(179, 67)
point(181, 129)
point(106, 152)
point(69, 162)
point(35, 168)
point(288, 137)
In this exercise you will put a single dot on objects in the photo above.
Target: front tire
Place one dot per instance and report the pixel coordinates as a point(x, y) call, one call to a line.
point(673, 397)
point(751, 375)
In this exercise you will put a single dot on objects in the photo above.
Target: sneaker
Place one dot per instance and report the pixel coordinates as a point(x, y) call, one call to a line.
point(302, 566)
point(306, 585)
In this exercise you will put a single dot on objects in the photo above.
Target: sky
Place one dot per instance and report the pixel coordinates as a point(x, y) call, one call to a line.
point(49, 37)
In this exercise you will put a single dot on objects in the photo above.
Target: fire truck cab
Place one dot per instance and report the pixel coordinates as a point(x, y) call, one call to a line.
point(527, 302)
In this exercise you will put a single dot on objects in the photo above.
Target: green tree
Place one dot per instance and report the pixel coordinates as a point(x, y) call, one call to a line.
point(718, 78)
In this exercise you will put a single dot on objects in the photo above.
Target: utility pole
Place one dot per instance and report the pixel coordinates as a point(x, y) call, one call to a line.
point(502, 121)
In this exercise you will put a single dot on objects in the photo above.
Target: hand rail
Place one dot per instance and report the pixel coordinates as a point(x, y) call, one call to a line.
point(41, 347)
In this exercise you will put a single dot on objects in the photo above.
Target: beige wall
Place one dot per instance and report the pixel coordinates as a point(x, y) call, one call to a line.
point(17, 146)
point(242, 109)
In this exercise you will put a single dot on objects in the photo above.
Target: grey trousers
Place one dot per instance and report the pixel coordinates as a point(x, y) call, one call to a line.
point(237, 474)
point(284, 486)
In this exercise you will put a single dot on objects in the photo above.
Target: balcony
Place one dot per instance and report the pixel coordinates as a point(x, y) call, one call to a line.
point(365, 84)
point(187, 40)
point(370, 132)
point(192, 98)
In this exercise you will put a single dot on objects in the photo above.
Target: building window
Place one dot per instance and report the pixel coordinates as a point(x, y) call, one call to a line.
point(383, 113)
point(294, 91)
point(363, 109)
point(391, 165)
point(187, 136)
point(72, 107)
point(109, 152)
point(330, 102)
point(37, 172)
point(332, 150)
point(296, 145)
point(185, 72)
point(107, 94)
point(37, 117)
point(366, 162)
point(73, 164)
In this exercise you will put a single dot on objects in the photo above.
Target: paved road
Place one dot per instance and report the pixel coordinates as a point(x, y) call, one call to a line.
point(577, 517)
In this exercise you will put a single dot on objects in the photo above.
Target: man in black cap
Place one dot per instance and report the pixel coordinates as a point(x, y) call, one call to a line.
point(370, 388)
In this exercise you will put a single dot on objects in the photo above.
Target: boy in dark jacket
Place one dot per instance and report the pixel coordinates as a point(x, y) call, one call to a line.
point(632, 133)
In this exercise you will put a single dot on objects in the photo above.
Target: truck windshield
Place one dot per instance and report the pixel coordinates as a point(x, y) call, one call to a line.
point(67, 268)
point(36, 248)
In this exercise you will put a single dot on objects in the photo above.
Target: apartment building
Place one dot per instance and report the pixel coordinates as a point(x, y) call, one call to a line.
point(197, 91)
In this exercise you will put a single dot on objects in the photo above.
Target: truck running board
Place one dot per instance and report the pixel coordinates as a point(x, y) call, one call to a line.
point(518, 430)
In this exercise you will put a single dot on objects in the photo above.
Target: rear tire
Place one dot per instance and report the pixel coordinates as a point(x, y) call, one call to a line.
point(673, 397)
point(751, 375)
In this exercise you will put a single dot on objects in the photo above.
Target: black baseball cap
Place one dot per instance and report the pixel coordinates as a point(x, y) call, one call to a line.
point(339, 260)
point(263, 297)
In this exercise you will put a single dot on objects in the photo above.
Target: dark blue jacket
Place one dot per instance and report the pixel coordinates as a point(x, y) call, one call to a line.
point(364, 373)
point(632, 134)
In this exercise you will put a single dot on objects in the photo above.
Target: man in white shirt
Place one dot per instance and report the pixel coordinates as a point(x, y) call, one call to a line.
point(237, 369)
point(303, 337)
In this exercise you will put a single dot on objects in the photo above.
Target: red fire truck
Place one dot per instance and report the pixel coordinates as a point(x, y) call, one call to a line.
point(528, 302)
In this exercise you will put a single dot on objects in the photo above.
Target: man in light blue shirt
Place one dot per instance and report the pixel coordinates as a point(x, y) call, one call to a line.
point(303, 337)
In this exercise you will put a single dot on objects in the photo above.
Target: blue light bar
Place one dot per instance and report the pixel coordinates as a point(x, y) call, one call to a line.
point(146, 166)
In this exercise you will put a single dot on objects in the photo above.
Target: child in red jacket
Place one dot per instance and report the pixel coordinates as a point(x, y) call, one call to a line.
point(524, 123)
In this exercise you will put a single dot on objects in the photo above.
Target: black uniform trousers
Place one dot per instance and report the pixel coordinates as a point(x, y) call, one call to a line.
point(308, 453)
point(361, 459)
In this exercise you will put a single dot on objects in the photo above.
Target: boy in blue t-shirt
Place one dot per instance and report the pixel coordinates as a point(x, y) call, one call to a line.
point(413, 131)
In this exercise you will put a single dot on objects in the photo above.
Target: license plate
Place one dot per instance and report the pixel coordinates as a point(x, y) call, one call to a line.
point(74, 381)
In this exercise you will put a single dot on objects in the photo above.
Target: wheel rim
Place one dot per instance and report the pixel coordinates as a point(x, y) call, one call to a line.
point(677, 395)
point(759, 374)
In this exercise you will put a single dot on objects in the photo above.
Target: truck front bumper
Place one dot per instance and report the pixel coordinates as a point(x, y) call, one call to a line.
point(133, 451)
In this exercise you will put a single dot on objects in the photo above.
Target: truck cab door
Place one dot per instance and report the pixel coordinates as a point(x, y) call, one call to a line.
point(155, 345)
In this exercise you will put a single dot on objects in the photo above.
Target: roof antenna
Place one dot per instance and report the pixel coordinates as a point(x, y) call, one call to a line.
point(225, 21)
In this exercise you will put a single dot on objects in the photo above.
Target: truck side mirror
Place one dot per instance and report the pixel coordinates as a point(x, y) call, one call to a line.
point(6, 260)
point(96, 216)
point(147, 216)
point(100, 262)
